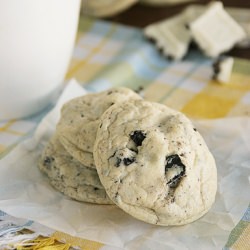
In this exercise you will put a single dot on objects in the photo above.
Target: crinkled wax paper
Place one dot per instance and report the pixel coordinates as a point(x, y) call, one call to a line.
point(26, 193)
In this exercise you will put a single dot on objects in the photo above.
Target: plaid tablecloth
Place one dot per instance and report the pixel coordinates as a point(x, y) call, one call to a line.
point(107, 54)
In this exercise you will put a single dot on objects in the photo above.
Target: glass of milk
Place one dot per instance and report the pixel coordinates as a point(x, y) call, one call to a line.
point(36, 43)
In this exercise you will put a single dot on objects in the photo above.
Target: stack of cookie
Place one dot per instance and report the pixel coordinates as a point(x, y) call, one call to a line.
point(68, 158)
point(115, 147)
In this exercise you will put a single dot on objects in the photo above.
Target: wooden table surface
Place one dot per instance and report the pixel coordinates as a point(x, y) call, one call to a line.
point(140, 15)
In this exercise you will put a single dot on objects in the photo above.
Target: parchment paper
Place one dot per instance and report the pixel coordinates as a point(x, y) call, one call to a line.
point(26, 193)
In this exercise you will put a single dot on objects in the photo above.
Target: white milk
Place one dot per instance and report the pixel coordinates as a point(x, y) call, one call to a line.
point(36, 42)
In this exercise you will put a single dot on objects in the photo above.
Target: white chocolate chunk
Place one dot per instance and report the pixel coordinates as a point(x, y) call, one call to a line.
point(215, 31)
point(240, 15)
point(223, 69)
point(171, 36)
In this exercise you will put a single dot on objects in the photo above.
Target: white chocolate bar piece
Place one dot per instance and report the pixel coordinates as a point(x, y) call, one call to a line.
point(223, 69)
point(215, 31)
point(171, 36)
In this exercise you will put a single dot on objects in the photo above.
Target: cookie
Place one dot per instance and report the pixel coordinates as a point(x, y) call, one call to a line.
point(84, 157)
point(83, 193)
point(154, 164)
point(80, 117)
point(105, 8)
point(71, 177)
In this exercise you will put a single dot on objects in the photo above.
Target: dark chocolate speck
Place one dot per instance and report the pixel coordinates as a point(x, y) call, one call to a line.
point(137, 137)
point(173, 161)
point(128, 161)
point(118, 162)
point(48, 160)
